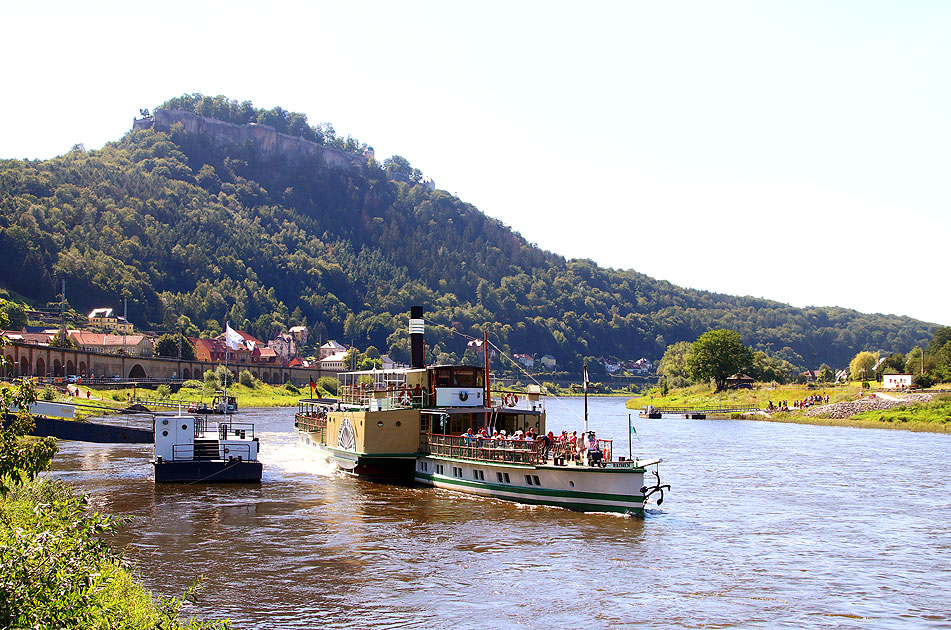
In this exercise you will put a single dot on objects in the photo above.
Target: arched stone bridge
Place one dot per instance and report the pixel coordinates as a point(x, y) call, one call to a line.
point(35, 360)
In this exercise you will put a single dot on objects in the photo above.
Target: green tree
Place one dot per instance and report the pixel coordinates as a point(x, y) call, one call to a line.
point(717, 355)
point(167, 346)
point(673, 365)
point(914, 361)
point(16, 315)
point(941, 336)
point(860, 368)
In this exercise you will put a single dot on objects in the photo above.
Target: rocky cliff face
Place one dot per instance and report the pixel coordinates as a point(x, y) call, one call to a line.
point(268, 141)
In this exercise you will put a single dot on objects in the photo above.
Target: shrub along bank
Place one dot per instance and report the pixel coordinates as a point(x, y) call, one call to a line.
point(57, 569)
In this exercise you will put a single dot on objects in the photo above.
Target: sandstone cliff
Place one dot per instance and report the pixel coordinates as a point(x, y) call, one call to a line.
point(267, 140)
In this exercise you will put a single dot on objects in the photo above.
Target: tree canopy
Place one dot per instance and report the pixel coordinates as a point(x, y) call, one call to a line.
point(718, 355)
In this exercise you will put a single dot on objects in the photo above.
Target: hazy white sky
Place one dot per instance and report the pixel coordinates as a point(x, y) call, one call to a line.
point(797, 151)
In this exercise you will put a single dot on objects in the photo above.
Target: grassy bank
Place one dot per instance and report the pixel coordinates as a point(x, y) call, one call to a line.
point(57, 569)
point(704, 395)
point(933, 416)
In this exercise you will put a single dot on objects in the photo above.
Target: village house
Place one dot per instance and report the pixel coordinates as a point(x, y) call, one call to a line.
point(525, 359)
point(896, 381)
point(390, 364)
point(330, 348)
point(284, 345)
point(133, 345)
point(611, 366)
point(106, 319)
point(548, 361)
point(334, 362)
point(299, 333)
point(641, 367)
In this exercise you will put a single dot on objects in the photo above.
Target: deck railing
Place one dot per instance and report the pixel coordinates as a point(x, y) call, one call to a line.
point(533, 452)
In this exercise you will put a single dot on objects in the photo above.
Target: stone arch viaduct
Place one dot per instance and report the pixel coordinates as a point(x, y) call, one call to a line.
point(36, 360)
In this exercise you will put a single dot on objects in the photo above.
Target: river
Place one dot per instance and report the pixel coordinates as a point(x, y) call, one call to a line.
point(767, 525)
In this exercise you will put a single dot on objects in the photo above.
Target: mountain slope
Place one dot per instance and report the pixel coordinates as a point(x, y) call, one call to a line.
point(186, 224)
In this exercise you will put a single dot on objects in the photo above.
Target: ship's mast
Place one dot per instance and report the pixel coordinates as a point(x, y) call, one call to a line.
point(485, 350)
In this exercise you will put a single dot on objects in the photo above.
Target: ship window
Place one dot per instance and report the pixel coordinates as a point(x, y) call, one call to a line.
point(507, 480)
point(537, 482)
point(457, 471)
point(439, 469)
point(528, 479)
point(478, 474)
point(499, 476)
point(422, 466)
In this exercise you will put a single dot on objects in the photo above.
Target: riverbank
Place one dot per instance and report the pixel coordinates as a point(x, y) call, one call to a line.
point(58, 570)
point(849, 405)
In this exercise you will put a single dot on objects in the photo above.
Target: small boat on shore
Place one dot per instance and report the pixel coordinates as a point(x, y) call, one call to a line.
point(412, 424)
point(222, 403)
point(191, 449)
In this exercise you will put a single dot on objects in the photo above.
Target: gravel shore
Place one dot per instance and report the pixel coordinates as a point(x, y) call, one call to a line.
point(867, 403)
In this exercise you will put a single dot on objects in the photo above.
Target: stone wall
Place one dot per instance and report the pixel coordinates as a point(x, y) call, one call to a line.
point(267, 140)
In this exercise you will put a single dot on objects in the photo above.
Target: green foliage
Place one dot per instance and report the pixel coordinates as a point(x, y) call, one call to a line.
point(861, 365)
point(328, 384)
point(15, 315)
point(163, 391)
point(192, 384)
point(673, 365)
point(48, 393)
point(717, 355)
point(184, 226)
point(246, 378)
point(21, 459)
point(57, 570)
point(167, 346)
point(289, 386)
point(61, 341)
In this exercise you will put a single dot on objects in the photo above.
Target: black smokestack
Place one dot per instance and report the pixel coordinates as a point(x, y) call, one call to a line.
point(416, 326)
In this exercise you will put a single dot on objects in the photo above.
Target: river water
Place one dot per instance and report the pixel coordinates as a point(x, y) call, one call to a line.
point(767, 525)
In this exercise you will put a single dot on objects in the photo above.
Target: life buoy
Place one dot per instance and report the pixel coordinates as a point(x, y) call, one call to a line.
point(463, 395)
point(405, 398)
point(505, 400)
point(514, 399)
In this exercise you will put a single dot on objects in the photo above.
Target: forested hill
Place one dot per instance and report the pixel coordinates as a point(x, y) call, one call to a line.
point(186, 225)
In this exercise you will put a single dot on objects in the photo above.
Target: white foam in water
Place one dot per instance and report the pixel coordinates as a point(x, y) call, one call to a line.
point(288, 456)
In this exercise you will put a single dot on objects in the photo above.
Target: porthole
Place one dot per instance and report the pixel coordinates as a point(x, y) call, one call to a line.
point(398, 423)
point(164, 433)
point(571, 483)
point(184, 427)
point(379, 423)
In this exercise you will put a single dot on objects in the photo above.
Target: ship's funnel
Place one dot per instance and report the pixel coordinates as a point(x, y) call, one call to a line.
point(416, 328)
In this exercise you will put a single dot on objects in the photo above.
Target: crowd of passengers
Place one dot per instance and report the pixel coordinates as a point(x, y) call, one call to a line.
point(567, 444)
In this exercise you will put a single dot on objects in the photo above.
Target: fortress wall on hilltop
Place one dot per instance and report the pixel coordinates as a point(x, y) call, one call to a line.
point(267, 140)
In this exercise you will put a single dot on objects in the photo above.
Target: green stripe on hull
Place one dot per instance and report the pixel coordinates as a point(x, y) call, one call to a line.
point(620, 502)
point(584, 469)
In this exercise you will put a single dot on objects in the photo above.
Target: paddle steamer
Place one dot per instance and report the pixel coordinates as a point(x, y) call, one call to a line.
point(409, 424)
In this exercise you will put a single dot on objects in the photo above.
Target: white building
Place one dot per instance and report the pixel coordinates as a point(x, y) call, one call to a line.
point(896, 381)
point(334, 362)
point(548, 361)
point(331, 348)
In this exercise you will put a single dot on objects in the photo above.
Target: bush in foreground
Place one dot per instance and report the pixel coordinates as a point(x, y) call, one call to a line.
point(58, 571)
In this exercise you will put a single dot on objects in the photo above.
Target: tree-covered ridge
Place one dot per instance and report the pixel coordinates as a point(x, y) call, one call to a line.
point(186, 228)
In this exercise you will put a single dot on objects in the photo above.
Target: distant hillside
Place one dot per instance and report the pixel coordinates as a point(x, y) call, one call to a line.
point(220, 223)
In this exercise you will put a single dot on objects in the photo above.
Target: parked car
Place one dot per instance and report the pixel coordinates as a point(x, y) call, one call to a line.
point(72, 378)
